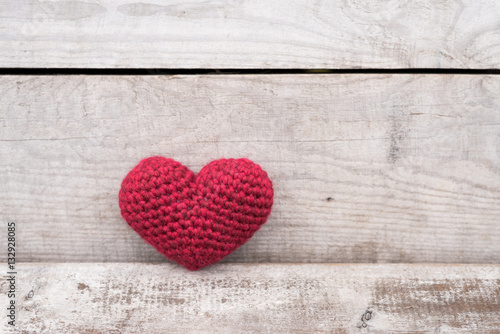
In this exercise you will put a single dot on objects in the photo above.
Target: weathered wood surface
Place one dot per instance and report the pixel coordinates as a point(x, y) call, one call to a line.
point(366, 168)
point(271, 298)
point(250, 34)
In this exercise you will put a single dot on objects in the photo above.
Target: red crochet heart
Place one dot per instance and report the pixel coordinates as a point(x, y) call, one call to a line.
point(196, 220)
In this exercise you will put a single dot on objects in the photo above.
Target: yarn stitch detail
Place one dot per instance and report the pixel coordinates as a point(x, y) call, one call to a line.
point(196, 220)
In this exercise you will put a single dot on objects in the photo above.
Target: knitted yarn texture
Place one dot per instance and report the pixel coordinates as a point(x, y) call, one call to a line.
point(196, 220)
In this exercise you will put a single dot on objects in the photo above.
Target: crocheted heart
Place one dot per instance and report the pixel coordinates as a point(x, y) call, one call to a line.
point(196, 220)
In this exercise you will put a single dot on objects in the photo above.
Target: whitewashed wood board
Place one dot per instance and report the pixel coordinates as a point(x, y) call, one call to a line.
point(366, 168)
point(250, 34)
point(272, 298)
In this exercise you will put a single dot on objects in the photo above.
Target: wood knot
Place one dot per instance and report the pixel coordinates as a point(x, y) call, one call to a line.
point(366, 317)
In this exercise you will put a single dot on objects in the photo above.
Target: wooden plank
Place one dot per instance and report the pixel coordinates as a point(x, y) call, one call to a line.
point(236, 298)
point(250, 34)
point(366, 168)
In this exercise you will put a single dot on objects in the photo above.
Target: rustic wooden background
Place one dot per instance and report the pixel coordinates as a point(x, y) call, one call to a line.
point(398, 170)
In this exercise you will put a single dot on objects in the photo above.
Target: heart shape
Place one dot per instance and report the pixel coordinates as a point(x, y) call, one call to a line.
point(196, 220)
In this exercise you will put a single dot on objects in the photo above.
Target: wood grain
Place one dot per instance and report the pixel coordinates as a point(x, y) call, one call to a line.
point(236, 298)
point(250, 34)
point(366, 168)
